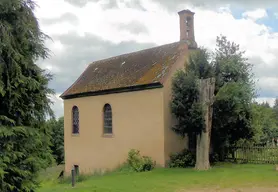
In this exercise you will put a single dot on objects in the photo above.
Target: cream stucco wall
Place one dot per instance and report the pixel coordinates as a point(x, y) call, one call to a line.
point(137, 123)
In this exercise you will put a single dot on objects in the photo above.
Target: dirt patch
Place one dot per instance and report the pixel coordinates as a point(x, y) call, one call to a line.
point(251, 189)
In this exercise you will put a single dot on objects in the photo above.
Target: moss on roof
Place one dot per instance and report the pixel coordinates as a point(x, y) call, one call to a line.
point(137, 68)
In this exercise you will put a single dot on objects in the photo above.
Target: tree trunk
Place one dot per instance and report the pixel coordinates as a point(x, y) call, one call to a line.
point(203, 139)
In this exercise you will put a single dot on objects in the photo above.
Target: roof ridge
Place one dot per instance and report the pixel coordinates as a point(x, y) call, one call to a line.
point(140, 51)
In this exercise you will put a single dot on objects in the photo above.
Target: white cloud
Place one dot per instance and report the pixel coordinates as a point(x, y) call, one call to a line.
point(269, 85)
point(212, 4)
point(53, 8)
point(163, 27)
point(58, 105)
point(266, 99)
point(255, 14)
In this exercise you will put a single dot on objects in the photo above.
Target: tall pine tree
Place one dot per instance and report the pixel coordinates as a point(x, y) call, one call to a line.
point(24, 102)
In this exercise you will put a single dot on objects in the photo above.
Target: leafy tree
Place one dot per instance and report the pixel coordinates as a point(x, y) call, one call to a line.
point(275, 108)
point(275, 103)
point(57, 138)
point(188, 108)
point(24, 102)
point(265, 104)
point(234, 90)
point(185, 104)
point(264, 121)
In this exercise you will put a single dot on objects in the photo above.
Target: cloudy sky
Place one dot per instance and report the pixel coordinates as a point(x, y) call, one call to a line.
point(83, 31)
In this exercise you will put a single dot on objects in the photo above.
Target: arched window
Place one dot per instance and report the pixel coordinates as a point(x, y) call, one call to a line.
point(107, 115)
point(75, 120)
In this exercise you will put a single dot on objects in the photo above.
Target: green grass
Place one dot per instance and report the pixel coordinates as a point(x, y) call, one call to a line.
point(51, 174)
point(169, 180)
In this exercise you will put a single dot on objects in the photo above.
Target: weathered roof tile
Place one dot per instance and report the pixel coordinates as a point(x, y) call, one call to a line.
point(137, 68)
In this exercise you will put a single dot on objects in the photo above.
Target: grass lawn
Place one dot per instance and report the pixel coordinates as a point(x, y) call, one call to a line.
point(223, 177)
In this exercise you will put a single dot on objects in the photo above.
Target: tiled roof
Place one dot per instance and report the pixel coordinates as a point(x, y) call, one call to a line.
point(138, 68)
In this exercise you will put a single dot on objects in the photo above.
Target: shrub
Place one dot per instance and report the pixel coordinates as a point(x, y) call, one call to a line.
point(138, 163)
point(183, 159)
point(213, 158)
point(148, 163)
point(124, 167)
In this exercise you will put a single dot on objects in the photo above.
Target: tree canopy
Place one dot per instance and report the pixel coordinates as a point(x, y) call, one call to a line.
point(234, 91)
point(265, 122)
point(24, 101)
point(57, 138)
point(185, 105)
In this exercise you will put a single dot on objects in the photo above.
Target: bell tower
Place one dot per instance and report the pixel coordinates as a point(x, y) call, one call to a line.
point(187, 28)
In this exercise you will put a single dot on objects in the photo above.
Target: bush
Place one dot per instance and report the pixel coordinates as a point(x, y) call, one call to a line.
point(138, 163)
point(124, 168)
point(213, 158)
point(183, 159)
point(148, 163)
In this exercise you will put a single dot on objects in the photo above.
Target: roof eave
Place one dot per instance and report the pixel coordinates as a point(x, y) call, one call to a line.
point(114, 91)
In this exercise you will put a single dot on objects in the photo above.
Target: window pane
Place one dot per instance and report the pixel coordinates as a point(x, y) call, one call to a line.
point(107, 119)
point(75, 120)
